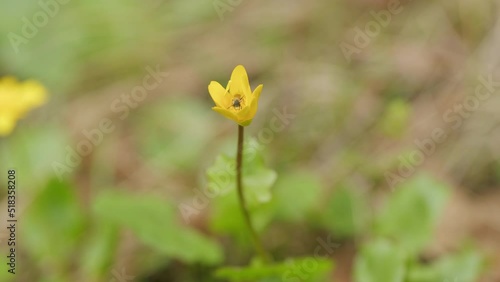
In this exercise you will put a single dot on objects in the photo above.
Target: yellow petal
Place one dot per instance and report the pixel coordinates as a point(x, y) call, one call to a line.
point(33, 94)
point(8, 83)
point(9, 88)
point(255, 101)
point(243, 113)
point(218, 94)
point(243, 116)
point(257, 91)
point(239, 82)
point(11, 106)
point(226, 113)
point(6, 125)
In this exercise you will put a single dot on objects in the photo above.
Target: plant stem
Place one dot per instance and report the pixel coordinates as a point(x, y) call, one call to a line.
point(246, 215)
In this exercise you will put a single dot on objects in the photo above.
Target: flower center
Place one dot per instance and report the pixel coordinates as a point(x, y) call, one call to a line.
point(237, 102)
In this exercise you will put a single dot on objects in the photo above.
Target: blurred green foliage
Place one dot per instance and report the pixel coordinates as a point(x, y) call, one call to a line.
point(160, 231)
point(395, 119)
point(308, 269)
point(402, 229)
point(412, 212)
point(347, 212)
point(121, 206)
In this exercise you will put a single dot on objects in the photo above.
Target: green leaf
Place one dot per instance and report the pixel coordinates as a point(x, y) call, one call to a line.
point(308, 269)
point(99, 251)
point(412, 212)
point(257, 181)
point(53, 225)
point(296, 194)
point(256, 177)
point(346, 213)
point(153, 222)
point(464, 266)
point(380, 260)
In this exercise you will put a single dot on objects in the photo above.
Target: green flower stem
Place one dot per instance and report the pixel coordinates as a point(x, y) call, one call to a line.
point(244, 210)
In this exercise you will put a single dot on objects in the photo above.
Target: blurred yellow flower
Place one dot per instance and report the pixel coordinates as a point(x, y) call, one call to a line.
point(236, 101)
point(16, 99)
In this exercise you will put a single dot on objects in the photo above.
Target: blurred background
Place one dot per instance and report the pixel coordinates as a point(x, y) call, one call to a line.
point(374, 154)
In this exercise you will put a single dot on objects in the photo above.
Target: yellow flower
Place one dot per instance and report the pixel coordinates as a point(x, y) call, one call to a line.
point(236, 101)
point(16, 99)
